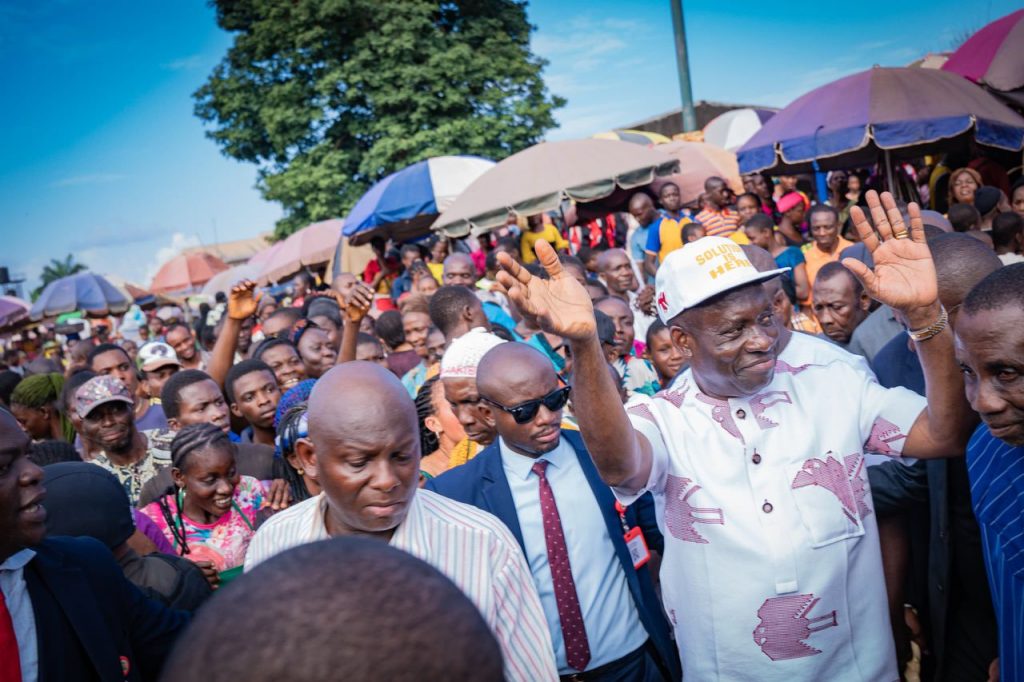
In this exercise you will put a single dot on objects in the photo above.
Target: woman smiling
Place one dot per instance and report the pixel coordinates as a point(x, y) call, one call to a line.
point(210, 514)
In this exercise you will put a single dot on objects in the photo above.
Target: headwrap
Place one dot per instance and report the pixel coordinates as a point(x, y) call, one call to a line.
point(298, 329)
point(292, 397)
point(790, 201)
point(464, 353)
point(40, 390)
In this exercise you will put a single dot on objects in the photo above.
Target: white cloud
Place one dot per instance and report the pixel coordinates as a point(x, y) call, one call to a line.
point(193, 61)
point(87, 179)
point(179, 242)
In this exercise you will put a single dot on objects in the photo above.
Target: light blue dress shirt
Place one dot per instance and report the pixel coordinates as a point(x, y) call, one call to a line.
point(609, 614)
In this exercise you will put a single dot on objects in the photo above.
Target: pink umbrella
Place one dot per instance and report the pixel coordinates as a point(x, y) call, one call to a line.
point(312, 245)
point(994, 56)
point(186, 272)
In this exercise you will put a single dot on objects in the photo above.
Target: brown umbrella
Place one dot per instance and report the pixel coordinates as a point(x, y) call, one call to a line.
point(537, 179)
point(186, 272)
point(699, 161)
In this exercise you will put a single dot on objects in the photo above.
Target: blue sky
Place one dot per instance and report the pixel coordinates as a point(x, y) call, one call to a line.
point(101, 156)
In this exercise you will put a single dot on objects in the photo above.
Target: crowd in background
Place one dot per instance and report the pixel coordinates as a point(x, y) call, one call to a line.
point(457, 399)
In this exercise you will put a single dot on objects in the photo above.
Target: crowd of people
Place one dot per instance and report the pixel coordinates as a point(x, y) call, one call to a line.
point(755, 436)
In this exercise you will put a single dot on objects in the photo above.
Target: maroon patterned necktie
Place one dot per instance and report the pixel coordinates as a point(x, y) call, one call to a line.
point(574, 635)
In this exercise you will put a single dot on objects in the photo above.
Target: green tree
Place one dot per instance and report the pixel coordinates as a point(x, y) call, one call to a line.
point(328, 96)
point(55, 270)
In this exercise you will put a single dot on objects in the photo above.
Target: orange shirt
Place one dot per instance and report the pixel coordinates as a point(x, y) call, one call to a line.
point(815, 259)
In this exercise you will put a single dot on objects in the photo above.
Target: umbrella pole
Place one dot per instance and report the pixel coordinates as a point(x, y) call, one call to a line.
point(888, 173)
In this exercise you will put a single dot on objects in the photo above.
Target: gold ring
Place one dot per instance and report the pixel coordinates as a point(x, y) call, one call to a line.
point(901, 234)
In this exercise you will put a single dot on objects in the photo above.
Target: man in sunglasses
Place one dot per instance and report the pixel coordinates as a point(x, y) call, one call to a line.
point(772, 565)
point(586, 556)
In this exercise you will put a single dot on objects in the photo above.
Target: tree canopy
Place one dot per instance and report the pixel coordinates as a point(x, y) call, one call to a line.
point(329, 96)
point(57, 269)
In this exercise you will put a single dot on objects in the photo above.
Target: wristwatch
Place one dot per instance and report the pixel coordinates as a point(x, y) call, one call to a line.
point(919, 335)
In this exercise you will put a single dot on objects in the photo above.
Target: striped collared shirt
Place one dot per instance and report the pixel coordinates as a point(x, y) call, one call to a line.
point(718, 223)
point(474, 549)
point(996, 470)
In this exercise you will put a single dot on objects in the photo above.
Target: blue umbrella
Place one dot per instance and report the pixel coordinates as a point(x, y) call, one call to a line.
point(404, 204)
point(902, 112)
point(84, 291)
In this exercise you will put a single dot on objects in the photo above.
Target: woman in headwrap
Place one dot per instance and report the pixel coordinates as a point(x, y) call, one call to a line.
point(291, 425)
point(34, 404)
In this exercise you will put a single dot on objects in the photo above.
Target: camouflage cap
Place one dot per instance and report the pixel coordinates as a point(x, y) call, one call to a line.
point(98, 391)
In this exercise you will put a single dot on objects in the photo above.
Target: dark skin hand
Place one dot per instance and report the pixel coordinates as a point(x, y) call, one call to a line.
point(241, 306)
point(356, 305)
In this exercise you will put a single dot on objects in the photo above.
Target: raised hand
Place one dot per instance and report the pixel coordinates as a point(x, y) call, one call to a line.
point(242, 301)
point(357, 303)
point(904, 274)
point(561, 305)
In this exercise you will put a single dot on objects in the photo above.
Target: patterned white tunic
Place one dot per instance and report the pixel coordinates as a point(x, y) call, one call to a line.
point(772, 569)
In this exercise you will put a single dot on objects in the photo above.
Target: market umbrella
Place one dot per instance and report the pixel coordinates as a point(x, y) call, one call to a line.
point(12, 310)
point(994, 57)
point(698, 161)
point(635, 136)
point(538, 178)
point(733, 128)
point(223, 281)
point(312, 245)
point(897, 112)
point(405, 203)
point(85, 291)
point(186, 272)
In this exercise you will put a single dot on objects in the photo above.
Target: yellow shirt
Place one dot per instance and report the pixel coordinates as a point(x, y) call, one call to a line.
point(550, 234)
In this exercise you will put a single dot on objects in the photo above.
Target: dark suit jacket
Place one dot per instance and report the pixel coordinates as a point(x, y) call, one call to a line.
point(954, 560)
point(482, 483)
point(91, 623)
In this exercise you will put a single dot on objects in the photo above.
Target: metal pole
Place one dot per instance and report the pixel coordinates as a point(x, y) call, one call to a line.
point(683, 61)
point(888, 173)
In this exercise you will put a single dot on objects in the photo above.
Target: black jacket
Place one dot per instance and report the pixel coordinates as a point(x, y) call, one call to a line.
point(91, 623)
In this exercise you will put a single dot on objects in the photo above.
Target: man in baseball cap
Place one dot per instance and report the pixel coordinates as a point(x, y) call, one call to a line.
point(769, 454)
point(157, 361)
point(106, 410)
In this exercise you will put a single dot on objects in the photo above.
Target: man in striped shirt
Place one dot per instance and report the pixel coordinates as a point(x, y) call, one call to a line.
point(363, 448)
point(717, 218)
point(990, 348)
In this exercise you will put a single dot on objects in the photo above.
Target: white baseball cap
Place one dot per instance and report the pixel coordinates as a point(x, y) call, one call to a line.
point(156, 354)
point(701, 270)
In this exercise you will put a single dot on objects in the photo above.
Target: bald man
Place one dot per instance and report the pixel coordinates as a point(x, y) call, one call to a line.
point(642, 208)
point(365, 451)
point(840, 302)
point(459, 269)
point(537, 477)
point(342, 605)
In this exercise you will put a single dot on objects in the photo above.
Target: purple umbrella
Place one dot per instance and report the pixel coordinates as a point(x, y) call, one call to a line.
point(84, 291)
point(855, 120)
point(11, 310)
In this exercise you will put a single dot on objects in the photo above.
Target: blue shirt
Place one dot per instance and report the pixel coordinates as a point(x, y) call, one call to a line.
point(996, 471)
point(609, 614)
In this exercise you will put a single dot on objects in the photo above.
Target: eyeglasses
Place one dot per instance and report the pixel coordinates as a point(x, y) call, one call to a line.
point(524, 412)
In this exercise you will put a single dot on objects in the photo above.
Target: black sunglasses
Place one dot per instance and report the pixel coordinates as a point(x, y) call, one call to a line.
point(524, 412)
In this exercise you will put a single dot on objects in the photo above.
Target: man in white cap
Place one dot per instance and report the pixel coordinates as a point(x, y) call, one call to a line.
point(157, 362)
point(772, 568)
point(458, 375)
